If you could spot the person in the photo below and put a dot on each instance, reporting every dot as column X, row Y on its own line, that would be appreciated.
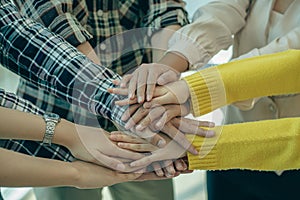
column 261, row 145
column 38, row 171
column 255, row 33
column 177, row 16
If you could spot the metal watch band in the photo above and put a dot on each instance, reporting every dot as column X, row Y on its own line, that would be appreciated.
column 51, row 121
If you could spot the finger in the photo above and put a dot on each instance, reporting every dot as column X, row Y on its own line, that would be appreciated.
column 109, row 162
column 157, row 168
column 119, row 91
column 169, row 169
column 167, row 77
column 153, row 115
column 145, row 161
column 125, row 79
column 116, row 82
column 136, row 117
column 126, row 139
column 152, row 137
column 161, row 100
column 127, row 114
column 132, row 86
column 151, row 82
column 179, row 137
column 151, row 176
column 141, row 86
column 180, row 165
column 191, row 127
column 125, row 102
column 123, row 153
column 137, row 147
column 171, row 112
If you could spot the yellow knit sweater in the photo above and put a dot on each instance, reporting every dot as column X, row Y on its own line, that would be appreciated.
column 262, row 145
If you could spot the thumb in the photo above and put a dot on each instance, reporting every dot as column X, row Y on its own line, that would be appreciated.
column 167, row 77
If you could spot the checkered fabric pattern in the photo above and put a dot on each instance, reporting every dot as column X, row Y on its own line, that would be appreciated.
column 47, row 60
column 108, row 26
column 39, row 56
column 32, row 148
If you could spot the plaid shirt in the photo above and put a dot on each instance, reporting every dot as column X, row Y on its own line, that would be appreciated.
column 101, row 23
column 39, row 56
column 32, row 148
column 45, row 59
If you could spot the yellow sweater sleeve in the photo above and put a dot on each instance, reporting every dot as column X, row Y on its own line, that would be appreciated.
column 261, row 145
column 272, row 74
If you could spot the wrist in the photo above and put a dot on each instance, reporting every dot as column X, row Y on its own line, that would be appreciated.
column 64, row 134
column 175, row 60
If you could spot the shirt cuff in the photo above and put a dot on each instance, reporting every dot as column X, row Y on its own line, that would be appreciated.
column 207, row 91
column 195, row 54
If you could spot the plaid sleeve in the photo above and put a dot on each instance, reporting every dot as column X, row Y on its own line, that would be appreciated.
column 32, row 148
column 62, row 17
column 47, row 60
column 162, row 13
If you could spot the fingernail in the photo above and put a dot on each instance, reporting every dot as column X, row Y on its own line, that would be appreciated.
column 131, row 96
column 194, row 151
column 123, row 118
column 210, row 133
column 211, row 124
column 161, row 143
column 127, row 125
column 122, row 85
column 140, row 100
column 120, row 167
column 133, row 164
column 148, row 97
column 139, row 127
column 158, row 124
column 179, row 165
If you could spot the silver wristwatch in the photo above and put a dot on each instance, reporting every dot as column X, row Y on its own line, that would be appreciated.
column 51, row 120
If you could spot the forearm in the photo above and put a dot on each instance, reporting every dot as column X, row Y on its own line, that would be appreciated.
column 211, row 31
column 88, row 50
column 34, row 171
column 215, row 87
column 159, row 43
column 50, row 62
column 26, row 126
column 263, row 145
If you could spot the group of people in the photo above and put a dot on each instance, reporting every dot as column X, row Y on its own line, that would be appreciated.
column 74, row 61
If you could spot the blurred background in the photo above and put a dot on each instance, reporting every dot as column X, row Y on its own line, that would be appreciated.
column 187, row 187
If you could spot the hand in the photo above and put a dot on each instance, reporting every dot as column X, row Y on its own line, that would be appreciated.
column 92, row 145
column 143, row 80
column 171, row 151
column 172, row 93
column 167, row 168
column 89, row 176
column 155, row 117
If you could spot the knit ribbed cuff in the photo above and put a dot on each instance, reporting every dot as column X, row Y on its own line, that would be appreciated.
column 207, row 91
column 207, row 157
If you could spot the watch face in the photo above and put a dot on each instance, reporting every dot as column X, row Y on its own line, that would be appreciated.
column 52, row 116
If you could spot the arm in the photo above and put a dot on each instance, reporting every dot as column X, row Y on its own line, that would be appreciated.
column 264, row 145
column 55, row 65
column 211, row 31
column 53, row 13
column 39, row 172
column 218, row 86
column 86, row 143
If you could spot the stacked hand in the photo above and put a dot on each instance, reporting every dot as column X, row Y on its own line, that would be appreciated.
column 157, row 106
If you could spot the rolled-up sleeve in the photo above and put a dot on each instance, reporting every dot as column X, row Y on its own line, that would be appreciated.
column 211, row 31
column 163, row 13
column 66, row 18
